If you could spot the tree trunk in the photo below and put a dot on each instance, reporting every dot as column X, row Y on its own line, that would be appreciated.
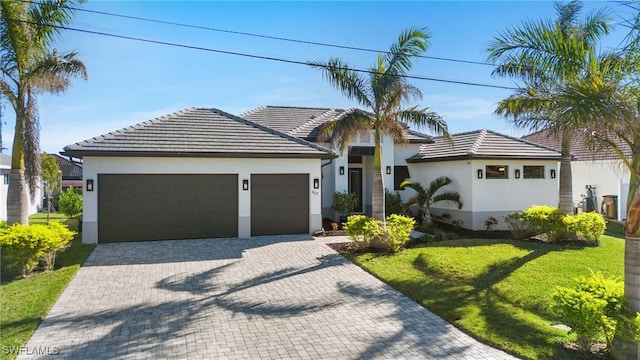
column 427, row 219
column 565, row 191
column 377, row 198
column 17, row 198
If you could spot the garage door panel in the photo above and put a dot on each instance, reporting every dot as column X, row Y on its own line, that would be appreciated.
column 279, row 204
column 134, row 207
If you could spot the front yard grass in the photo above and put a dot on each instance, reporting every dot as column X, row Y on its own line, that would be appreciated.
column 498, row 291
column 25, row 302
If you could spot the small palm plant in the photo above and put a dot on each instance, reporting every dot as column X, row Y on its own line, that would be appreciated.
column 425, row 197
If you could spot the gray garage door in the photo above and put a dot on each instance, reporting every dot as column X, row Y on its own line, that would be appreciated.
column 279, row 204
column 135, row 207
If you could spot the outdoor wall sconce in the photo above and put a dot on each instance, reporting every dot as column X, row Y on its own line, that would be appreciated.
column 89, row 184
column 341, row 170
column 245, row 184
column 517, row 173
column 388, row 170
column 316, row 183
column 552, row 172
column 479, row 173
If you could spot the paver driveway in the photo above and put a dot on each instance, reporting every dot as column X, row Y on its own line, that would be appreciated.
column 284, row 297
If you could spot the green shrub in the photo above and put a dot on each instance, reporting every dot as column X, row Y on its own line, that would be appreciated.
column 70, row 203
column 392, row 203
column 344, row 201
column 542, row 219
column 592, row 309
column 588, row 225
column 23, row 247
column 398, row 231
column 362, row 231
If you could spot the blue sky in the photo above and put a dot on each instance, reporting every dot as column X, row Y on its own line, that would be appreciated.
column 131, row 82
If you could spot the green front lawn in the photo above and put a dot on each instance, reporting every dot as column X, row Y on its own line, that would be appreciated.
column 25, row 302
column 498, row 291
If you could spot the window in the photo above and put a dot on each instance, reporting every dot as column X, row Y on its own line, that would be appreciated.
column 533, row 172
column 497, row 172
column 400, row 174
column 6, row 178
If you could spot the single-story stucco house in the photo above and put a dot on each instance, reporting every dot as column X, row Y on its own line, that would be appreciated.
column 495, row 175
column 198, row 173
column 601, row 170
column 206, row 173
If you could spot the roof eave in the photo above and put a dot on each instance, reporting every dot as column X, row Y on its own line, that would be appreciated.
column 83, row 153
column 468, row 157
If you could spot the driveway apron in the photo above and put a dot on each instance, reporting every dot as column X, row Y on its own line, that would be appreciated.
column 275, row 297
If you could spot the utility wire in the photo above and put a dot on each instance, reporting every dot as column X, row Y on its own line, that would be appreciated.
column 253, row 56
column 255, row 35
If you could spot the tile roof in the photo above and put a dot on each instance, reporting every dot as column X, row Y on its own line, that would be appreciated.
column 579, row 149
column 71, row 170
column 198, row 132
column 304, row 122
column 482, row 144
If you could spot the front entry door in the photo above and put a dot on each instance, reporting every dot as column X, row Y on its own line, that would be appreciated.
column 355, row 185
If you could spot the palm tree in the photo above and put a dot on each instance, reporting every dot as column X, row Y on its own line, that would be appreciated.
column 425, row 197
column 31, row 66
column 382, row 90
column 545, row 55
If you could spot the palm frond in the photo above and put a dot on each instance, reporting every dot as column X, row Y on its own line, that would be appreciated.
column 437, row 184
column 343, row 130
column 54, row 71
column 411, row 43
column 352, row 84
column 422, row 117
column 449, row 196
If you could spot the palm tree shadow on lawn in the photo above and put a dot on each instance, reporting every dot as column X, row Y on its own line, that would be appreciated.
column 452, row 298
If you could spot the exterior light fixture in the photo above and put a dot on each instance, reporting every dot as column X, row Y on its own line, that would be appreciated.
column 89, row 185
column 388, row 170
column 479, row 173
column 316, row 183
column 245, row 184
column 517, row 173
column 552, row 172
column 341, row 170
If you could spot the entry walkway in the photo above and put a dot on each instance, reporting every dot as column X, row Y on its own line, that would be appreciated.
column 280, row 297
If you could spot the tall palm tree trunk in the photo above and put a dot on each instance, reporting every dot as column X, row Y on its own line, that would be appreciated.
column 632, row 243
column 17, row 198
column 377, row 196
column 565, row 192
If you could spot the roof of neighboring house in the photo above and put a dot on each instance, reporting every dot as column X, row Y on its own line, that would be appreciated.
column 304, row 122
column 481, row 144
column 199, row 132
column 579, row 149
column 71, row 170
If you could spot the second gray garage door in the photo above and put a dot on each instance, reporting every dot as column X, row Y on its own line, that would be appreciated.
column 279, row 204
column 135, row 207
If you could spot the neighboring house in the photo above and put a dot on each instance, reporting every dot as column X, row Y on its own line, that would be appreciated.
column 495, row 175
column 602, row 170
column 199, row 173
column 5, row 168
column 352, row 171
column 71, row 172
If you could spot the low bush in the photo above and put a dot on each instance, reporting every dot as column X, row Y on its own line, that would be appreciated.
column 587, row 225
column 362, row 230
column 593, row 309
column 367, row 232
column 551, row 224
column 398, row 231
column 70, row 203
column 23, row 247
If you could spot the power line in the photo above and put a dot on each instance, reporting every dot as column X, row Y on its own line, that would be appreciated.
column 316, row 43
column 253, row 56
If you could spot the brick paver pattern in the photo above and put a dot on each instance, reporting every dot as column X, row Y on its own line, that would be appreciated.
column 278, row 297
